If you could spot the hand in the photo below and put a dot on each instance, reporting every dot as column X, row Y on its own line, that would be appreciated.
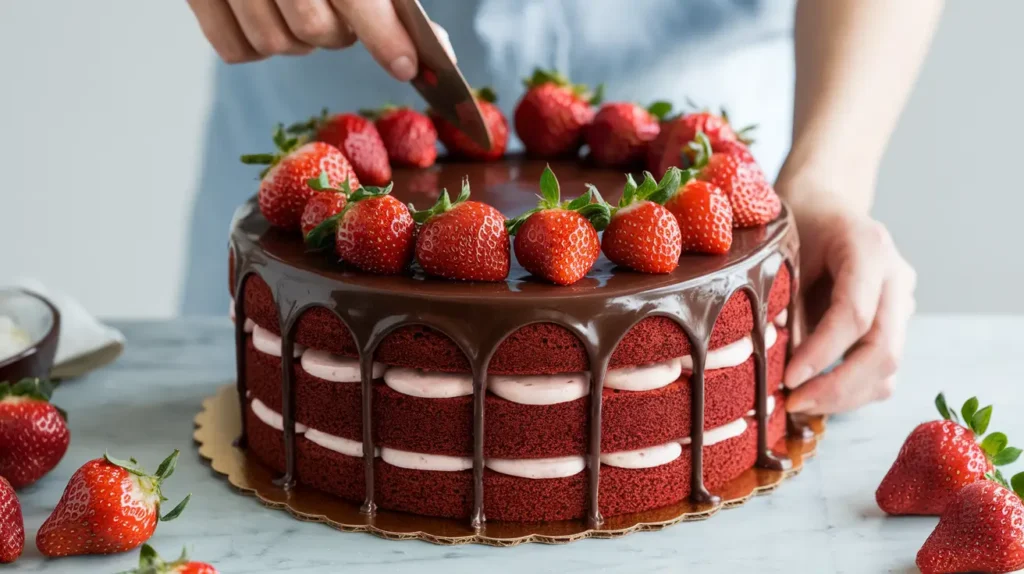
column 250, row 30
column 863, row 319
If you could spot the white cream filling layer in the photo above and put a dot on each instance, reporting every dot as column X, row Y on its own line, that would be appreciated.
column 782, row 318
column 338, row 444
column 722, row 433
column 645, row 377
column 422, row 461
column 734, row 354
column 249, row 323
column 271, row 418
column 538, row 468
column 335, row 368
column 269, row 343
column 540, row 389
column 417, row 383
column 649, row 457
column 770, row 404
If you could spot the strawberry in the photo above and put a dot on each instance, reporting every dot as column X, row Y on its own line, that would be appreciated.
column 108, row 506
column 621, row 132
column 704, row 216
column 460, row 145
column 736, row 148
column 33, row 432
column 408, row 135
column 356, row 137
column 753, row 200
column 981, row 530
column 283, row 190
column 643, row 235
column 464, row 240
column 551, row 117
column 151, row 563
column 321, row 206
column 12, row 526
column 941, row 457
column 557, row 241
column 671, row 147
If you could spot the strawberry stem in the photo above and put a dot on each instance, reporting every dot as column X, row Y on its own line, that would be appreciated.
column 590, row 205
column 444, row 204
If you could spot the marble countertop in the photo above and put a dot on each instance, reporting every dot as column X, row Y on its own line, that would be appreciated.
column 824, row 520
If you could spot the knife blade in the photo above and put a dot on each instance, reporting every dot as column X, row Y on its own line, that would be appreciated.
column 439, row 80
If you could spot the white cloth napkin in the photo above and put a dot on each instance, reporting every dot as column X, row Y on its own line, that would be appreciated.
column 85, row 344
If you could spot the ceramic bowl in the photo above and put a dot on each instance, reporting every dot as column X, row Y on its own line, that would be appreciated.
column 40, row 319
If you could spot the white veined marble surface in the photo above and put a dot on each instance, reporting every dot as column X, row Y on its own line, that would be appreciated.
column 825, row 520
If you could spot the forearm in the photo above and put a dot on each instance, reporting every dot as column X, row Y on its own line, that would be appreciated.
column 856, row 61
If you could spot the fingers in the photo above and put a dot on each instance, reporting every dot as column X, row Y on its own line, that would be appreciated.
column 379, row 29
column 221, row 29
column 859, row 270
column 868, row 373
column 315, row 23
column 265, row 28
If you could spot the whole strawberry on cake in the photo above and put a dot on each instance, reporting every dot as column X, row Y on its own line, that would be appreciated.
column 452, row 343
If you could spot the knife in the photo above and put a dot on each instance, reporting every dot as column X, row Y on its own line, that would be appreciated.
column 439, row 80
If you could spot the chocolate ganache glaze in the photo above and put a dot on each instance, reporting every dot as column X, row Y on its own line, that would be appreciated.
column 600, row 309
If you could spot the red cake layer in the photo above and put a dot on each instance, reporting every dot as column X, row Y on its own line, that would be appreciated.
column 449, row 494
column 631, row 420
column 542, row 348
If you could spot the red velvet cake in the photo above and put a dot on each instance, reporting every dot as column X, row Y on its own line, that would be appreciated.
column 514, row 400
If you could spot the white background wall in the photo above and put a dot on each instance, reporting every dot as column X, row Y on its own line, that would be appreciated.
column 102, row 105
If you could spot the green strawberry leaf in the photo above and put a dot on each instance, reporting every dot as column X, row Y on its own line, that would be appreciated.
column 970, row 408
column 660, row 109
column 131, row 465
column 320, row 236
column 322, row 183
column 366, row 192
column 647, row 187
column 581, row 201
column 599, row 214
column 486, row 94
column 1018, row 483
column 997, row 477
column 464, row 193
column 702, row 149
column 513, row 225
column 628, row 192
column 176, row 511
column 940, row 404
column 745, row 134
column 597, row 97
column 166, row 467
column 549, row 189
column 258, row 158
column 994, row 443
column 1008, row 455
column 979, row 421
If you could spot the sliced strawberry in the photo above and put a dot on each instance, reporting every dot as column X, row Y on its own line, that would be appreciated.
column 551, row 117
column 557, row 241
column 284, row 190
column 941, row 457
column 408, row 135
column 704, row 216
column 980, row 530
column 12, row 525
column 459, row 145
column 33, row 433
column 108, row 506
column 356, row 137
column 621, row 132
column 643, row 235
column 464, row 240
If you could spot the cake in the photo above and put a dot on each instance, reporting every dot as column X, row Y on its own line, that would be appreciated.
column 475, row 401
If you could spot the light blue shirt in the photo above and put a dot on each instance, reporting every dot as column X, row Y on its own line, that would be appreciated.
column 731, row 53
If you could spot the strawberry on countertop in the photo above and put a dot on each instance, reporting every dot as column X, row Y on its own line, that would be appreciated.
column 704, row 216
column 981, row 530
column 284, row 190
column 33, row 432
column 754, row 201
column 374, row 231
column 108, row 506
column 552, row 115
column 151, row 563
column 408, row 135
column 12, row 526
column 621, row 132
column 941, row 457
column 356, row 137
column 643, row 235
column 557, row 241
column 464, row 240
column 460, row 145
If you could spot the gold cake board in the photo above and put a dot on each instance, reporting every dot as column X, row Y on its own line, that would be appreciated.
column 218, row 425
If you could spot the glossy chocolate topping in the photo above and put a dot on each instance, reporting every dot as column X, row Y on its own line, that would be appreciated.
column 599, row 310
